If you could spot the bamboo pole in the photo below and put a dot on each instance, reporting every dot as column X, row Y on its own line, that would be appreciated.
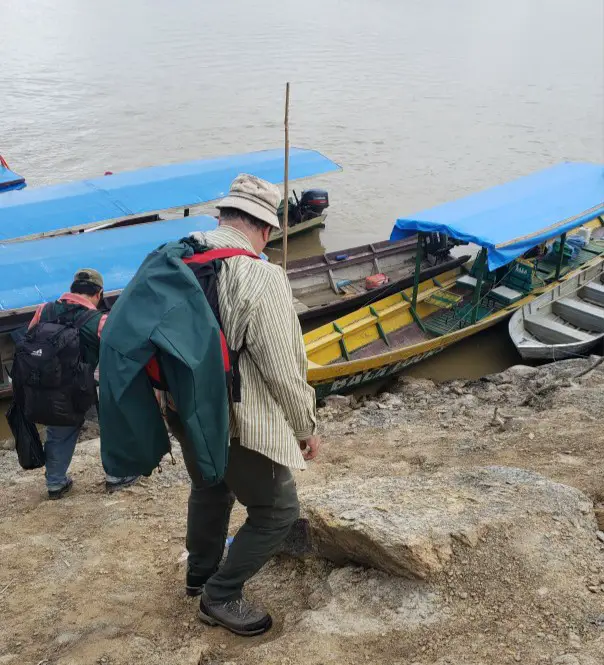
column 286, row 178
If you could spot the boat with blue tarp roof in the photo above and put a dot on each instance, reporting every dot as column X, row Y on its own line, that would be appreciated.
column 131, row 197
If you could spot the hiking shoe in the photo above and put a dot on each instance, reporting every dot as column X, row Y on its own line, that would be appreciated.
column 239, row 616
column 194, row 584
column 116, row 484
column 53, row 495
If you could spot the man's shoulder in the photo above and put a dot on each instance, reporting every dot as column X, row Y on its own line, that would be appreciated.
column 266, row 272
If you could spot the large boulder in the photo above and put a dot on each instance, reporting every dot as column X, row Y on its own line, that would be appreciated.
column 409, row 525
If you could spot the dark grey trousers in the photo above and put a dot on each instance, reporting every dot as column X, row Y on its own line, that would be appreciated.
column 265, row 488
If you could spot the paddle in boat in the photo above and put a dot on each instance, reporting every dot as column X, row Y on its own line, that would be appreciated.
column 513, row 225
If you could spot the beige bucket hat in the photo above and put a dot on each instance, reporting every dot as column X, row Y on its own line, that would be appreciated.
column 255, row 196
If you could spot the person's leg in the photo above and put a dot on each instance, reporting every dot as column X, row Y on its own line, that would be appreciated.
column 58, row 449
column 112, row 483
column 268, row 491
column 207, row 519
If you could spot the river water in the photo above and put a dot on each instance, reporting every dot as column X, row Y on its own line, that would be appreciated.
column 420, row 101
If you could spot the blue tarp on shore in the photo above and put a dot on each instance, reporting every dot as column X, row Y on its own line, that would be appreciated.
column 512, row 218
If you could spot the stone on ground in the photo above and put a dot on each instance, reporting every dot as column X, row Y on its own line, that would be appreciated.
column 409, row 525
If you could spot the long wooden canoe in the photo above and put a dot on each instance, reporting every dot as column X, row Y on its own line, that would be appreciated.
column 326, row 284
column 333, row 283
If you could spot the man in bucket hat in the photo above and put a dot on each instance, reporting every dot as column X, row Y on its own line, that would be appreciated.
column 79, row 305
column 273, row 427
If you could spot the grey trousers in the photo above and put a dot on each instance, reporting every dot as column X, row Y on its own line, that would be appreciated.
column 265, row 488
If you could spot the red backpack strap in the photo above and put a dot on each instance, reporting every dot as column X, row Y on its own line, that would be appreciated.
column 216, row 254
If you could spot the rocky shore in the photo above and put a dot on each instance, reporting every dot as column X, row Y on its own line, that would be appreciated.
column 451, row 524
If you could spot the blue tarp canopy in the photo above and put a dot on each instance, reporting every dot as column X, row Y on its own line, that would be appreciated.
column 41, row 270
column 43, row 210
column 510, row 219
column 9, row 180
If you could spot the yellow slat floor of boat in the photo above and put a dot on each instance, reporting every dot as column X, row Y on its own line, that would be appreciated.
column 360, row 329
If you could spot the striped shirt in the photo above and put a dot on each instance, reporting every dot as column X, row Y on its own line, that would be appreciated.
column 277, row 407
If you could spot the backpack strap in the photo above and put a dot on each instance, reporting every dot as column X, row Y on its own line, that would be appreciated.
column 219, row 254
column 78, row 323
column 85, row 317
column 230, row 356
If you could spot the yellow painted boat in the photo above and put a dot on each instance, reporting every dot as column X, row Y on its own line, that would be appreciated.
column 384, row 338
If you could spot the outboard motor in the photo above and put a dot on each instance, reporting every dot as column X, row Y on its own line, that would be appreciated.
column 313, row 203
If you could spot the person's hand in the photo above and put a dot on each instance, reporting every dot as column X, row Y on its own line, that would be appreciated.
column 310, row 447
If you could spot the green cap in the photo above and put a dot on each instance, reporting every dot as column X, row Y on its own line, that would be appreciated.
column 89, row 276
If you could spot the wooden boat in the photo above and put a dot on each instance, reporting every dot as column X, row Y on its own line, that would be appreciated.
column 335, row 282
column 565, row 322
column 384, row 338
column 128, row 198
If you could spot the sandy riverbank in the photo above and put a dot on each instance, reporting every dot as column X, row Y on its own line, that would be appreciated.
column 99, row 579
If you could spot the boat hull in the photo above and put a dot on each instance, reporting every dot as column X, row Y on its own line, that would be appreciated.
column 349, row 376
column 541, row 311
column 298, row 229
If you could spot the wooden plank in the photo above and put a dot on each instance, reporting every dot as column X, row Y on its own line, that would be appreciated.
column 593, row 293
column 580, row 313
column 549, row 331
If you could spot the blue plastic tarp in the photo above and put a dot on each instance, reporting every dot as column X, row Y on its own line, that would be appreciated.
column 511, row 219
column 41, row 270
column 50, row 209
column 9, row 180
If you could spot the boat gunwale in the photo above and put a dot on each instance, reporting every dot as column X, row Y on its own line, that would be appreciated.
column 304, row 267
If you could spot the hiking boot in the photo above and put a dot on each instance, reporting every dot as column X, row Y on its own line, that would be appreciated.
column 53, row 495
column 113, row 484
column 194, row 584
column 239, row 616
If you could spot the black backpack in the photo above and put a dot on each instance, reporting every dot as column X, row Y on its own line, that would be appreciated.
column 50, row 380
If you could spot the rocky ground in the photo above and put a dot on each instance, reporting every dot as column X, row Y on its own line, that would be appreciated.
column 452, row 524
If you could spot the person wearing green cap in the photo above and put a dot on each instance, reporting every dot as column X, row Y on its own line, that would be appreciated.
column 85, row 294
